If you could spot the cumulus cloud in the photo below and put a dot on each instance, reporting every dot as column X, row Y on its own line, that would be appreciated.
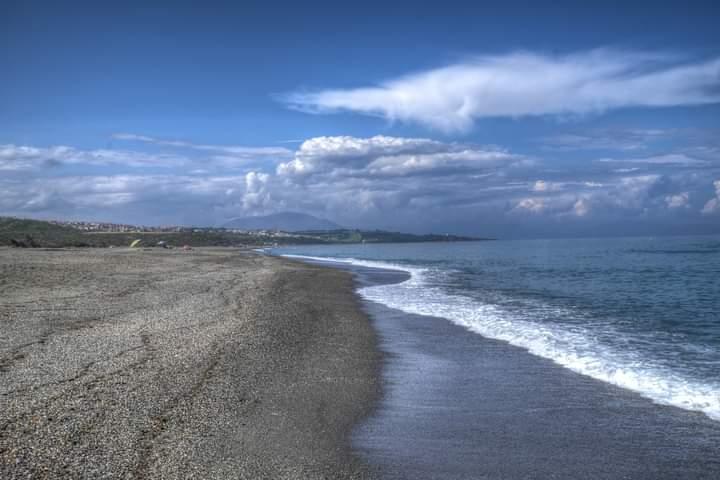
column 390, row 156
column 678, row 200
column 581, row 207
column 379, row 181
column 629, row 195
column 557, row 205
column 256, row 195
column 320, row 154
column 463, row 159
column 535, row 205
column 522, row 84
column 713, row 205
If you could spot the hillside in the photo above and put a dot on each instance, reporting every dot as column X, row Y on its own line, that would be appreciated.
column 37, row 233
column 285, row 221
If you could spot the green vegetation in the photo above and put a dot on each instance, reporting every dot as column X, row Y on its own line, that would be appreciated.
column 29, row 233
column 35, row 233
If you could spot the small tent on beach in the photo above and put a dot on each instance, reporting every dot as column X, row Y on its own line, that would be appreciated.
column 135, row 243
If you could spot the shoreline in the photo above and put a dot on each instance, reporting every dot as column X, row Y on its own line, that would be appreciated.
column 458, row 405
column 215, row 363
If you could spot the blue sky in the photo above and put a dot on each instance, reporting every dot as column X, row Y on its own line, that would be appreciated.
column 519, row 119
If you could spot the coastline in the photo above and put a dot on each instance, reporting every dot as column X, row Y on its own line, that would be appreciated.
column 214, row 363
column 457, row 405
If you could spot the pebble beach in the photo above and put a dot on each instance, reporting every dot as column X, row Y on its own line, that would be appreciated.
column 211, row 363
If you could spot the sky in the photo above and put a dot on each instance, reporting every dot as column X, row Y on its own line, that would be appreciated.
column 508, row 119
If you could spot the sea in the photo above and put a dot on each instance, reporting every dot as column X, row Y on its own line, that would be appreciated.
column 633, row 322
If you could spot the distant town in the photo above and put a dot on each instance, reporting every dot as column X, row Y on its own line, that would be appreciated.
column 116, row 227
column 20, row 232
column 109, row 227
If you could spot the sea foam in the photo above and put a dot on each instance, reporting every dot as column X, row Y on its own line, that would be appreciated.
column 569, row 346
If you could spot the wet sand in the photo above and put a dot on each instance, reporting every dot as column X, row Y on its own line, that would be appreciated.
column 457, row 406
column 207, row 364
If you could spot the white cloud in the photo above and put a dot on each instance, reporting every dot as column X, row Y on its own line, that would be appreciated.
column 388, row 179
column 20, row 157
column 559, row 205
column 232, row 152
column 581, row 207
column 534, row 205
column 525, row 84
column 713, row 205
column 93, row 192
column 256, row 194
column 679, row 200
column 543, row 186
column 389, row 156
column 320, row 154
column 468, row 158
column 24, row 158
column 632, row 192
column 625, row 195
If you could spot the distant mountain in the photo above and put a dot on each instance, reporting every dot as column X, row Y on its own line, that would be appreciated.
column 285, row 221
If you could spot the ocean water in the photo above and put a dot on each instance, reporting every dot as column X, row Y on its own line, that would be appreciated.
column 639, row 313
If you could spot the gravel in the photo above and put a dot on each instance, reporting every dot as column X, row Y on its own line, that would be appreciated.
column 211, row 363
